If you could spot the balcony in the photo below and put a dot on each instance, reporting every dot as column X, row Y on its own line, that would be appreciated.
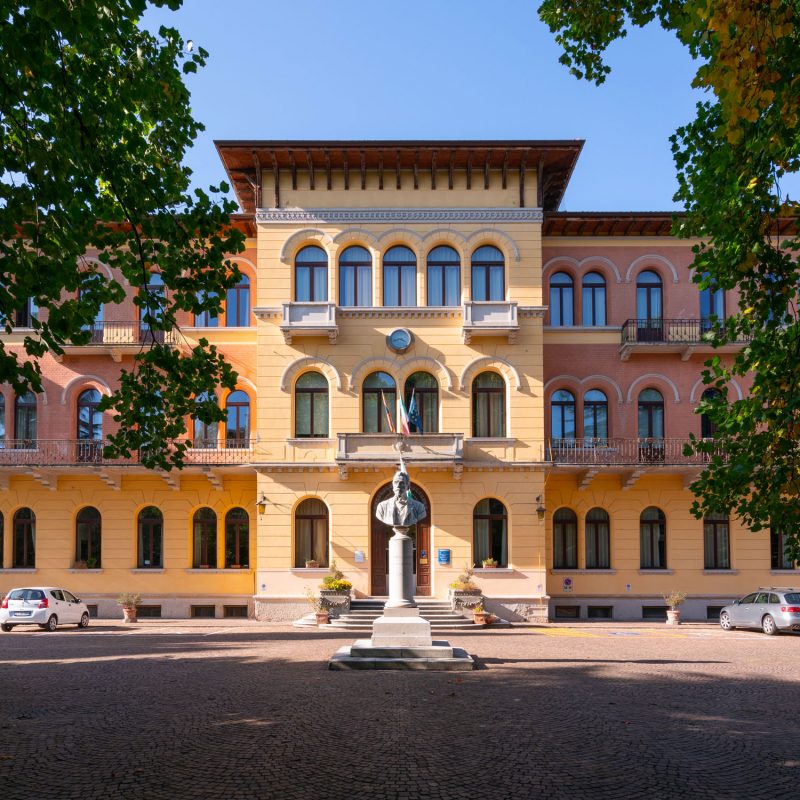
column 118, row 338
column 82, row 452
column 369, row 450
column 490, row 318
column 683, row 336
column 309, row 319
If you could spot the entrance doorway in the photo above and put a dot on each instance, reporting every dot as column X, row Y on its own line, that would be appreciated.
column 379, row 546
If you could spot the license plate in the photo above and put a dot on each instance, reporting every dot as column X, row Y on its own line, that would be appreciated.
column 22, row 613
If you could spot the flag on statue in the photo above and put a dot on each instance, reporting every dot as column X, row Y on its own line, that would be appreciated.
column 413, row 414
column 388, row 415
column 403, row 421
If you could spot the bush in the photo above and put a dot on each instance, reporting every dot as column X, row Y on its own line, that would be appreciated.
column 129, row 599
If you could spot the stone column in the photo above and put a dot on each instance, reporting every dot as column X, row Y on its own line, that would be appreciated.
column 401, row 570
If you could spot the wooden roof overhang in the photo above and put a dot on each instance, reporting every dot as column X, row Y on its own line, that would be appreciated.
column 552, row 161
column 608, row 223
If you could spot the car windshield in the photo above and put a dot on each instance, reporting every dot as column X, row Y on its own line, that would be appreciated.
column 26, row 594
column 794, row 597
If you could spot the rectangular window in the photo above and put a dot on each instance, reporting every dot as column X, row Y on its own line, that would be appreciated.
column 778, row 557
column 234, row 612
column 203, row 612
column 654, row 612
column 716, row 544
column 568, row 612
column 712, row 612
column 355, row 286
column 148, row 612
column 600, row 612
column 92, row 609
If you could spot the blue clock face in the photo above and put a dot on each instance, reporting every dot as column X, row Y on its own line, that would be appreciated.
column 400, row 340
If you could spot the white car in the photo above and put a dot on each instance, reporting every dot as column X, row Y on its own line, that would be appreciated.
column 45, row 606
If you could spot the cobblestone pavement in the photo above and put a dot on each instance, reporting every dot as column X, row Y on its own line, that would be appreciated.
column 219, row 712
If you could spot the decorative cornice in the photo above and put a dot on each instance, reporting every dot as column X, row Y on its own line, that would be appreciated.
column 532, row 311
column 380, row 215
column 398, row 312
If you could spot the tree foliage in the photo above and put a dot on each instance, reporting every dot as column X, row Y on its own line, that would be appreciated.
column 731, row 161
column 95, row 121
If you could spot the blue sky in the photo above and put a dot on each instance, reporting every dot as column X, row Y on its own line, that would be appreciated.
column 431, row 69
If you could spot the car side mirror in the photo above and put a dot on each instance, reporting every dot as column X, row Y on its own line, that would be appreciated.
column 736, row 602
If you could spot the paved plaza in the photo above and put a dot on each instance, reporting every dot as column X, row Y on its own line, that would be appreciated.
column 217, row 711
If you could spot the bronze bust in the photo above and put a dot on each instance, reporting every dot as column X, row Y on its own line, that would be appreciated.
column 400, row 511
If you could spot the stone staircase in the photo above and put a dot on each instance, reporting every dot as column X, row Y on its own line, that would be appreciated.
column 437, row 612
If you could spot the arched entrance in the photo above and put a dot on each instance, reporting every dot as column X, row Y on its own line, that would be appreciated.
column 379, row 545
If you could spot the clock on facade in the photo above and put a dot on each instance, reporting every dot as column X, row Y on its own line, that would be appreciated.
column 399, row 340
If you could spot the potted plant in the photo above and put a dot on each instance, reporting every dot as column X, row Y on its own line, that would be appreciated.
column 129, row 601
column 489, row 563
column 673, row 600
column 335, row 589
column 480, row 615
column 320, row 607
column 312, row 563
column 464, row 592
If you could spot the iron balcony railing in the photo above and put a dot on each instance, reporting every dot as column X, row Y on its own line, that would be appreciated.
column 666, row 331
column 611, row 452
column 124, row 333
column 80, row 452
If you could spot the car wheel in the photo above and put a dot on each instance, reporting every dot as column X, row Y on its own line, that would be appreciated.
column 7, row 628
column 52, row 623
column 725, row 621
column 768, row 625
column 84, row 623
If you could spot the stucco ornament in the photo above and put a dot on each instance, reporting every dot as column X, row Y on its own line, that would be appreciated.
column 401, row 510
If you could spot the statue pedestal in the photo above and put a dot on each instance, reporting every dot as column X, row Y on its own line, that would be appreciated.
column 401, row 569
column 401, row 627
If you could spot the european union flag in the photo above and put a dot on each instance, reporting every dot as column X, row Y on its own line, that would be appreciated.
column 413, row 414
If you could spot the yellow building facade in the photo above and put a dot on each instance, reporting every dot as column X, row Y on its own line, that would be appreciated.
column 549, row 362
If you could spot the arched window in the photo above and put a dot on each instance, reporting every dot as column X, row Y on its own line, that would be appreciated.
column 562, row 415
column 88, row 530
column 595, row 417
column 311, row 533
column 490, row 532
column 151, row 312
column 488, row 274
column 205, row 433
column 90, row 426
column 206, row 319
column 778, row 541
column 649, row 307
column 311, row 275
column 204, row 539
column 488, row 406
column 379, row 403
column 311, row 405
column 444, row 277
column 651, row 425
column 237, row 304
column 598, row 540
column 422, row 402
column 399, row 277
column 237, row 539
column 653, row 539
column 151, row 538
column 24, row 544
column 237, row 424
column 651, row 414
column 25, row 420
column 712, row 306
column 565, row 539
column 708, row 427
column 594, row 299
column 716, row 542
column 561, row 299
column 355, row 277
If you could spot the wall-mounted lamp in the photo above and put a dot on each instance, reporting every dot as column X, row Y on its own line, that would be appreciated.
column 261, row 503
column 540, row 509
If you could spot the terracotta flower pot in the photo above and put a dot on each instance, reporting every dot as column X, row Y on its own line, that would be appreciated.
column 490, row 566
column 480, row 617
column 323, row 618
column 129, row 613
column 673, row 616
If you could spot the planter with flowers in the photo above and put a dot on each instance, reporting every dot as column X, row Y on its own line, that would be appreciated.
column 464, row 592
column 489, row 563
column 335, row 590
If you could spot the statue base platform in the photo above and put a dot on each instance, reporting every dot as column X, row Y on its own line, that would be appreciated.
column 401, row 627
column 438, row 656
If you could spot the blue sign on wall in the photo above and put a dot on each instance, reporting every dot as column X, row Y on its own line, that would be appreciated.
column 444, row 557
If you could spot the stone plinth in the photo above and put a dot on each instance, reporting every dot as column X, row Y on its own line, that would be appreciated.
column 401, row 627
column 438, row 656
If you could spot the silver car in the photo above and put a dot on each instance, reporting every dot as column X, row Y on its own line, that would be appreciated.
column 771, row 608
column 45, row 606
